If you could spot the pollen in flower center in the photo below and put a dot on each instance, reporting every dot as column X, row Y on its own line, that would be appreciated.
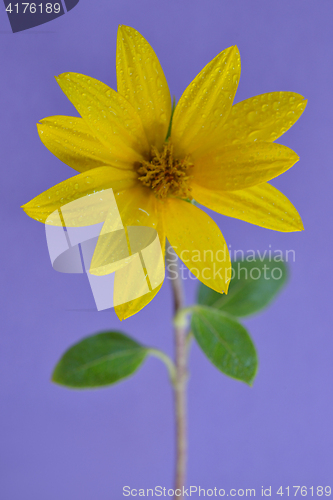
column 166, row 175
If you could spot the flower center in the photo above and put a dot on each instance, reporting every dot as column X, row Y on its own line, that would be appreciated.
column 166, row 175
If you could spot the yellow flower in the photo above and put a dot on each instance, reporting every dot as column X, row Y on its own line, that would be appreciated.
column 208, row 150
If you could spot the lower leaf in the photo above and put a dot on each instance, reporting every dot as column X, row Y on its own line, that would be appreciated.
column 99, row 360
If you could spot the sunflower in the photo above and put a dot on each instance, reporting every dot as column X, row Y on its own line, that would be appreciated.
column 159, row 158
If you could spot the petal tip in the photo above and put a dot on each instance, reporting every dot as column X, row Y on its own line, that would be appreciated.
column 235, row 49
column 123, row 29
column 300, row 225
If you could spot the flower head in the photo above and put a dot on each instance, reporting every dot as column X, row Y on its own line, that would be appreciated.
column 157, row 158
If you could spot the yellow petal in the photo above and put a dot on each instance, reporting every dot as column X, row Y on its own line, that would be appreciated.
column 111, row 118
column 262, row 118
column 87, row 183
column 240, row 166
column 71, row 140
column 130, row 308
column 262, row 205
column 141, row 80
column 139, row 208
column 198, row 242
column 206, row 103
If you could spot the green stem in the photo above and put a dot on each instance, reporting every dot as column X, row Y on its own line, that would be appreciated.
column 180, row 383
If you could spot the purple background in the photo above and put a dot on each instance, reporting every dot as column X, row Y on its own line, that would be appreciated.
column 57, row 443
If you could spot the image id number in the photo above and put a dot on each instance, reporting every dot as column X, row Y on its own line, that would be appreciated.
column 32, row 8
column 318, row 491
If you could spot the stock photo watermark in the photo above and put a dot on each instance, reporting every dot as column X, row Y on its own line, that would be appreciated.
column 265, row 260
column 198, row 491
column 124, row 263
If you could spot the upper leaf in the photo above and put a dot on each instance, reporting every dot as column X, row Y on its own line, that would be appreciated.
column 253, row 286
column 225, row 342
column 99, row 360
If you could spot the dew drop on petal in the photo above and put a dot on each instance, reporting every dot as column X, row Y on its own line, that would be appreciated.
column 251, row 116
column 155, row 66
column 253, row 135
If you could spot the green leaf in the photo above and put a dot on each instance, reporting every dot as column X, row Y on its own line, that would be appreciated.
column 225, row 342
column 253, row 286
column 99, row 360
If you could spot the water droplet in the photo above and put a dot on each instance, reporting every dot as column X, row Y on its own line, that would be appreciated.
column 251, row 116
column 88, row 180
column 253, row 135
column 276, row 105
column 264, row 107
column 76, row 186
